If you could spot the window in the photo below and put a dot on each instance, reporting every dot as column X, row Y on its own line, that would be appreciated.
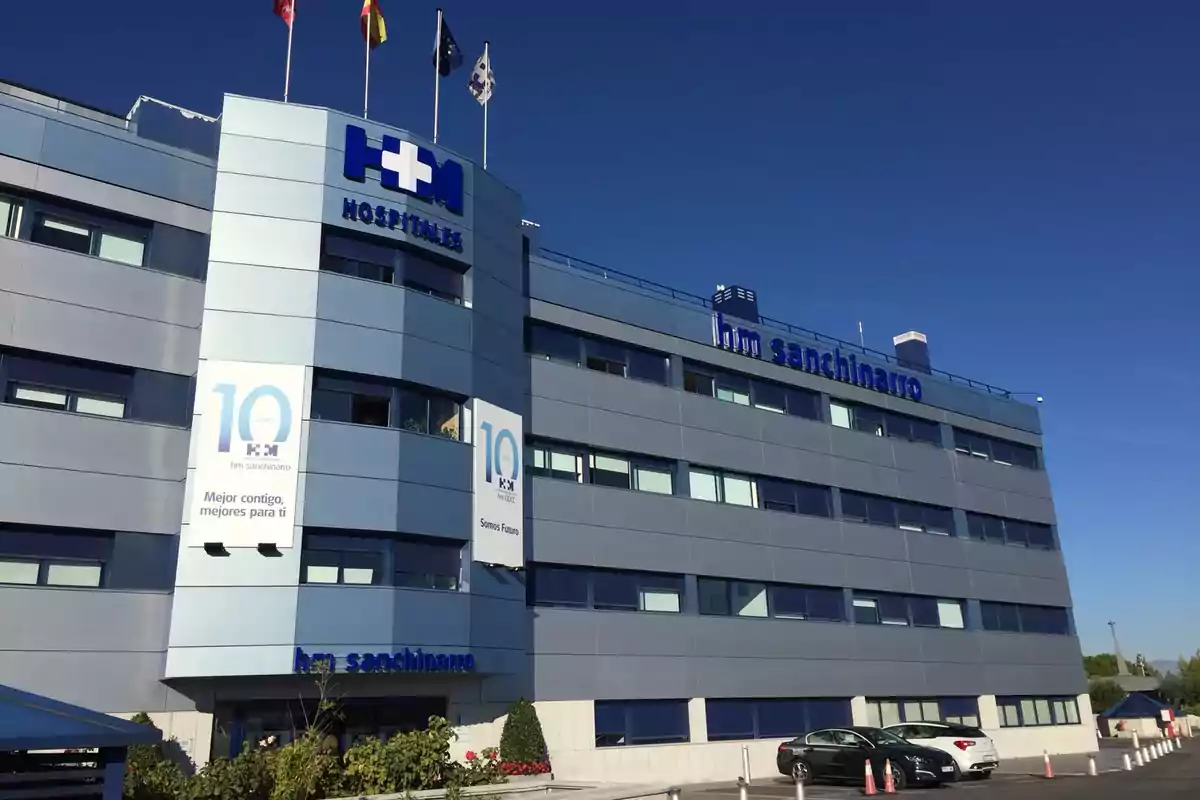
column 874, row 510
column 1026, row 712
column 361, row 400
column 355, row 558
column 878, row 422
column 387, row 262
column 1013, row 618
column 893, row 711
column 623, row 473
column 1000, row 530
column 724, row 487
column 610, row 470
column 722, row 597
column 10, row 216
column 347, row 400
column 742, row 390
column 43, row 381
column 872, row 608
column 612, row 590
column 625, row 723
column 600, row 355
column 566, row 462
column 427, row 563
column 730, row 719
column 54, row 557
column 90, row 238
column 795, row 498
column 999, row 451
column 554, row 461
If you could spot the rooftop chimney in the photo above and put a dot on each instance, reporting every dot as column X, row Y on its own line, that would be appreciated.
column 912, row 351
column 736, row 302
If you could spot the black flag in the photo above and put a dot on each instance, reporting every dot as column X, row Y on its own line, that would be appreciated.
column 447, row 56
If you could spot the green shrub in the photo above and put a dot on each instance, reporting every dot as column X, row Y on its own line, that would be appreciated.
column 149, row 774
column 481, row 769
column 522, row 741
column 405, row 762
column 249, row 776
column 306, row 769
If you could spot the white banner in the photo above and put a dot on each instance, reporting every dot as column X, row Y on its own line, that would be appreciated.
column 247, row 453
column 498, row 495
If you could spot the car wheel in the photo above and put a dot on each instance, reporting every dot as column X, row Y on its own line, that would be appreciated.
column 899, row 779
column 802, row 772
column 958, row 774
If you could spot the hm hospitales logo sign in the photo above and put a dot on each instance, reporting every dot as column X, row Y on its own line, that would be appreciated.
column 247, row 454
column 498, row 502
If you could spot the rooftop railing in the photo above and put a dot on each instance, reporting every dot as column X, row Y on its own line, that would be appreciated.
column 703, row 302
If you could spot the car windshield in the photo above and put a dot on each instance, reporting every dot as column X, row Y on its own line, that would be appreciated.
column 882, row 737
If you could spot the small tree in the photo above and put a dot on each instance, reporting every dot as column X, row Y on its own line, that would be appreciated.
column 522, row 741
column 149, row 773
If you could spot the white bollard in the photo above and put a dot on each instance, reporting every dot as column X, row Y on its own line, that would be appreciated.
column 746, row 765
column 1154, row 752
column 1137, row 758
column 1125, row 765
column 1179, row 742
column 799, row 789
column 741, row 789
column 1136, row 744
column 673, row 793
column 1091, row 765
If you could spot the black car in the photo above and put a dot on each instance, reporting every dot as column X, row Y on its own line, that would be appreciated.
column 841, row 754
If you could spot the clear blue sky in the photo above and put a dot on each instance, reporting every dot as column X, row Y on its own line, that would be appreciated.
column 1022, row 183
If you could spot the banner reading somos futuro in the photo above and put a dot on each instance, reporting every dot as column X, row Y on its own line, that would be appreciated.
column 498, row 491
column 247, row 454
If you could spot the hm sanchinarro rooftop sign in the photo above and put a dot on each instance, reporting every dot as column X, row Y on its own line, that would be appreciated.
column 830, row 364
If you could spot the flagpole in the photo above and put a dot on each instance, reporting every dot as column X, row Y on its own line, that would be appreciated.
column 437, row 74
column 287, row 70
column 367, row 78
column 487, row 60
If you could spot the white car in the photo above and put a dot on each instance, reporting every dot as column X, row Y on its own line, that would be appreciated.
column 973, row 751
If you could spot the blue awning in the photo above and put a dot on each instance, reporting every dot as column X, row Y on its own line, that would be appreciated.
column 1135, row 705
column 31, row 722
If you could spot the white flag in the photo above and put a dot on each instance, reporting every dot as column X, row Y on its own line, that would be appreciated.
column 482, row 81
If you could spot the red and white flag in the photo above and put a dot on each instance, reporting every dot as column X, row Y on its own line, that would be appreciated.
column 286, row 11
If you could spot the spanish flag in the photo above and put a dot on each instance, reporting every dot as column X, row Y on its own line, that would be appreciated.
column 374, row 29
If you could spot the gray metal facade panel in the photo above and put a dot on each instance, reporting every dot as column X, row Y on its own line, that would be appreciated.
column 73, row 144
column 621, row 529
column 59, row 440
column 54, row 620
column 62, row 302
column 615, row 655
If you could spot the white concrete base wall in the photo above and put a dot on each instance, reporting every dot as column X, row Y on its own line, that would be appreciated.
column 569, row 727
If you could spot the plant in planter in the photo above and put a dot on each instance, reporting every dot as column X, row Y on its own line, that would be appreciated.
column 522, row 744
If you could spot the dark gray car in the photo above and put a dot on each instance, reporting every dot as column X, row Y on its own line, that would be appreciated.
column 841, row 754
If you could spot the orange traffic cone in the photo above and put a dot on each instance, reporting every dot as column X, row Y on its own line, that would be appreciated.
column 1049, row 769
column 869, row 789
column 889, row 785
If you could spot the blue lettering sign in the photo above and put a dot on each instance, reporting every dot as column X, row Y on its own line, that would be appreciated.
column 401, row 661
column 407, row 223
column 405, row 167
column 831, row 364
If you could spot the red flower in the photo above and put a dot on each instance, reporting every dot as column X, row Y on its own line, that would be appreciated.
column 470, row 755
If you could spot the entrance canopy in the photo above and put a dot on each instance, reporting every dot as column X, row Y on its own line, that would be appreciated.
column 31, row 722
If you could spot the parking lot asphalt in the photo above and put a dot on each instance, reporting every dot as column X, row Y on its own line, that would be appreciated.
column 1174, row 776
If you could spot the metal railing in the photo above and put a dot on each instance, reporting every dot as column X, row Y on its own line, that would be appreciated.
column 695, row 300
